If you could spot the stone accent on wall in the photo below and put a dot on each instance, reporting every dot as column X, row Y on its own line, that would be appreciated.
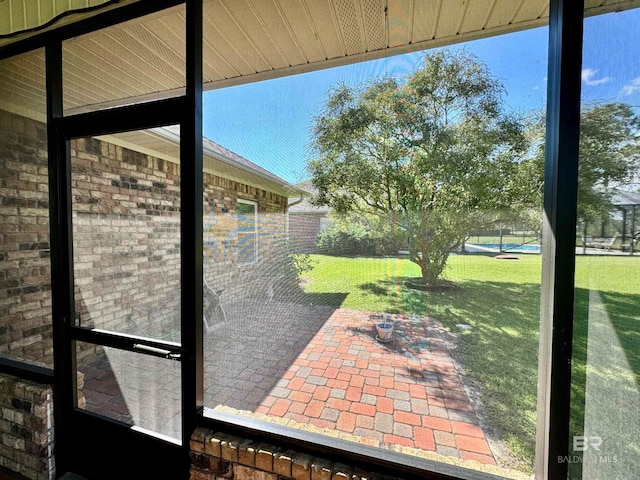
column 25, row 281
column 26, row 426
column 217, row 456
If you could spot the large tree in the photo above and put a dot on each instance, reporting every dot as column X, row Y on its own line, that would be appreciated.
column 609, row 156
column 432, row 153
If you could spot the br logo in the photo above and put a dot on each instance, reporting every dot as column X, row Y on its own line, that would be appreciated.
column 582, row 443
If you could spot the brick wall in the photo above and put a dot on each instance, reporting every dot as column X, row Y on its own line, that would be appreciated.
column 218, row 456
column 126, row 222
column 303, row 230
column 26, row 426
column 25, row 283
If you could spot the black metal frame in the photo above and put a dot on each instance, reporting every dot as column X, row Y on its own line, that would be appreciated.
column 565, row 49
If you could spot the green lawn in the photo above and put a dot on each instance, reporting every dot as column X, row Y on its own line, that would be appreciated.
column 500, row 299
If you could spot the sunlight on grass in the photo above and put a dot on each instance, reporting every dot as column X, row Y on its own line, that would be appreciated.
column 500, row 299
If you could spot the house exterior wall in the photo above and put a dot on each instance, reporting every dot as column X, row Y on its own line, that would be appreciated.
column 304, row 229
column 126, row 222
column 25, row 279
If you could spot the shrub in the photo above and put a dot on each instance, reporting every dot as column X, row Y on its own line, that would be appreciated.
column 354, row 239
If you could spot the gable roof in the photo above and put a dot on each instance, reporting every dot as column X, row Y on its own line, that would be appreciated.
column 305, row 205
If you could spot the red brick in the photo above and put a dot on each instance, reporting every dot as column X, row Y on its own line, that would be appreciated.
column 345, row 377
column 370, row 373
column 385, row 405
column 417, row 391
column 331, row 372
column 300, row 397
column 454, row 394
column 341, row 384
column 317, row 372
column 362, row 363
column 339, row 404
column 320, row 365
column 280, row 407
column 396, row 440
column 363, row 409
column 423, row 437
column 296, row 383
column 378, row 391
column 350, row 370
column 356, row 381
column 462, row 405
column 387, row 382
column 472, row 444
column 322, row 393
column 297, row 407
column 436, row 423
column 404, row 387
column 289, row 375
column 435, row 401
column 262, row 409
column 314, row 409
column 321, row 423
column 308, row 388
column 485, row 459
column 406, row 417
column 468, row 429
column 346, row 422
column 353, row 394
column 371, row 381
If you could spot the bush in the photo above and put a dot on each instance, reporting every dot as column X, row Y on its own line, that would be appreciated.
column 354, row 239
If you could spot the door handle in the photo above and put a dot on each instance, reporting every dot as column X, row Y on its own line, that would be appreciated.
column 158, row 351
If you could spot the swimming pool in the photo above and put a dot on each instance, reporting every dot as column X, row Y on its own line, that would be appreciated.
column 506, row 247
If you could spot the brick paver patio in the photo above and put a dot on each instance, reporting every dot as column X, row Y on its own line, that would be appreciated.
column 324, row 368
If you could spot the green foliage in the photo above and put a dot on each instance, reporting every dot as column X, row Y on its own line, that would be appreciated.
column 353, row 238
column 301, row 263
column 428, row 154
column 609, row 157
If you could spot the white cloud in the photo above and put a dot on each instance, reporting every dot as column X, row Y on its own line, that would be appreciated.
column 588, row 75
column 632, row 87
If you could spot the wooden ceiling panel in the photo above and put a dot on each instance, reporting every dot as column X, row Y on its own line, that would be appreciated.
column 400, row 21
column 451, row 14
column 502, row 13
column 475, row 17
column 247, row 40
column 326, row 26
column 247, row 17
column 530, row 10
column 228, row 25
column 283, row 38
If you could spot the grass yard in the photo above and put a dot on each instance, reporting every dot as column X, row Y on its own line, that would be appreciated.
column 500, row 299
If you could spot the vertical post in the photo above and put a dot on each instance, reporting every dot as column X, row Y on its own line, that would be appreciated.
column 633, row 229
column 191, row 191
column 559, row 233
column 59, row 163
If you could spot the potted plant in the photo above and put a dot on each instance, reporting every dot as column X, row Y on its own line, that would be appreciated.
column 384, row 329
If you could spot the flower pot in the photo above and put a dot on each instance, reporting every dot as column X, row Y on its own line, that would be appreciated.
column 385, row 330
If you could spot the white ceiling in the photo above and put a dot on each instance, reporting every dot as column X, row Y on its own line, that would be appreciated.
column 249, row 40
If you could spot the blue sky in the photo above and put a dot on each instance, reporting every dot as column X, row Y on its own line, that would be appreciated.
column 269, row 122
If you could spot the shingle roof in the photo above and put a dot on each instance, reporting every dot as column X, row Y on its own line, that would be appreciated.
column 224, row 154
column 305, row 206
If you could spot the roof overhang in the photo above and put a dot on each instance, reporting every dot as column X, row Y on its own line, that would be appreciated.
column 248, row 40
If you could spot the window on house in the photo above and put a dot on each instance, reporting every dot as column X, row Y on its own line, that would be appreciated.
column 247, row 232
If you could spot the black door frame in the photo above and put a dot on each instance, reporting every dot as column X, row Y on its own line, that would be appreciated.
column 86, row 443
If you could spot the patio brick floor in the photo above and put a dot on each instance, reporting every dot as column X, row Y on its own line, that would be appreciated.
column 326, row 369
column 405, row 392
